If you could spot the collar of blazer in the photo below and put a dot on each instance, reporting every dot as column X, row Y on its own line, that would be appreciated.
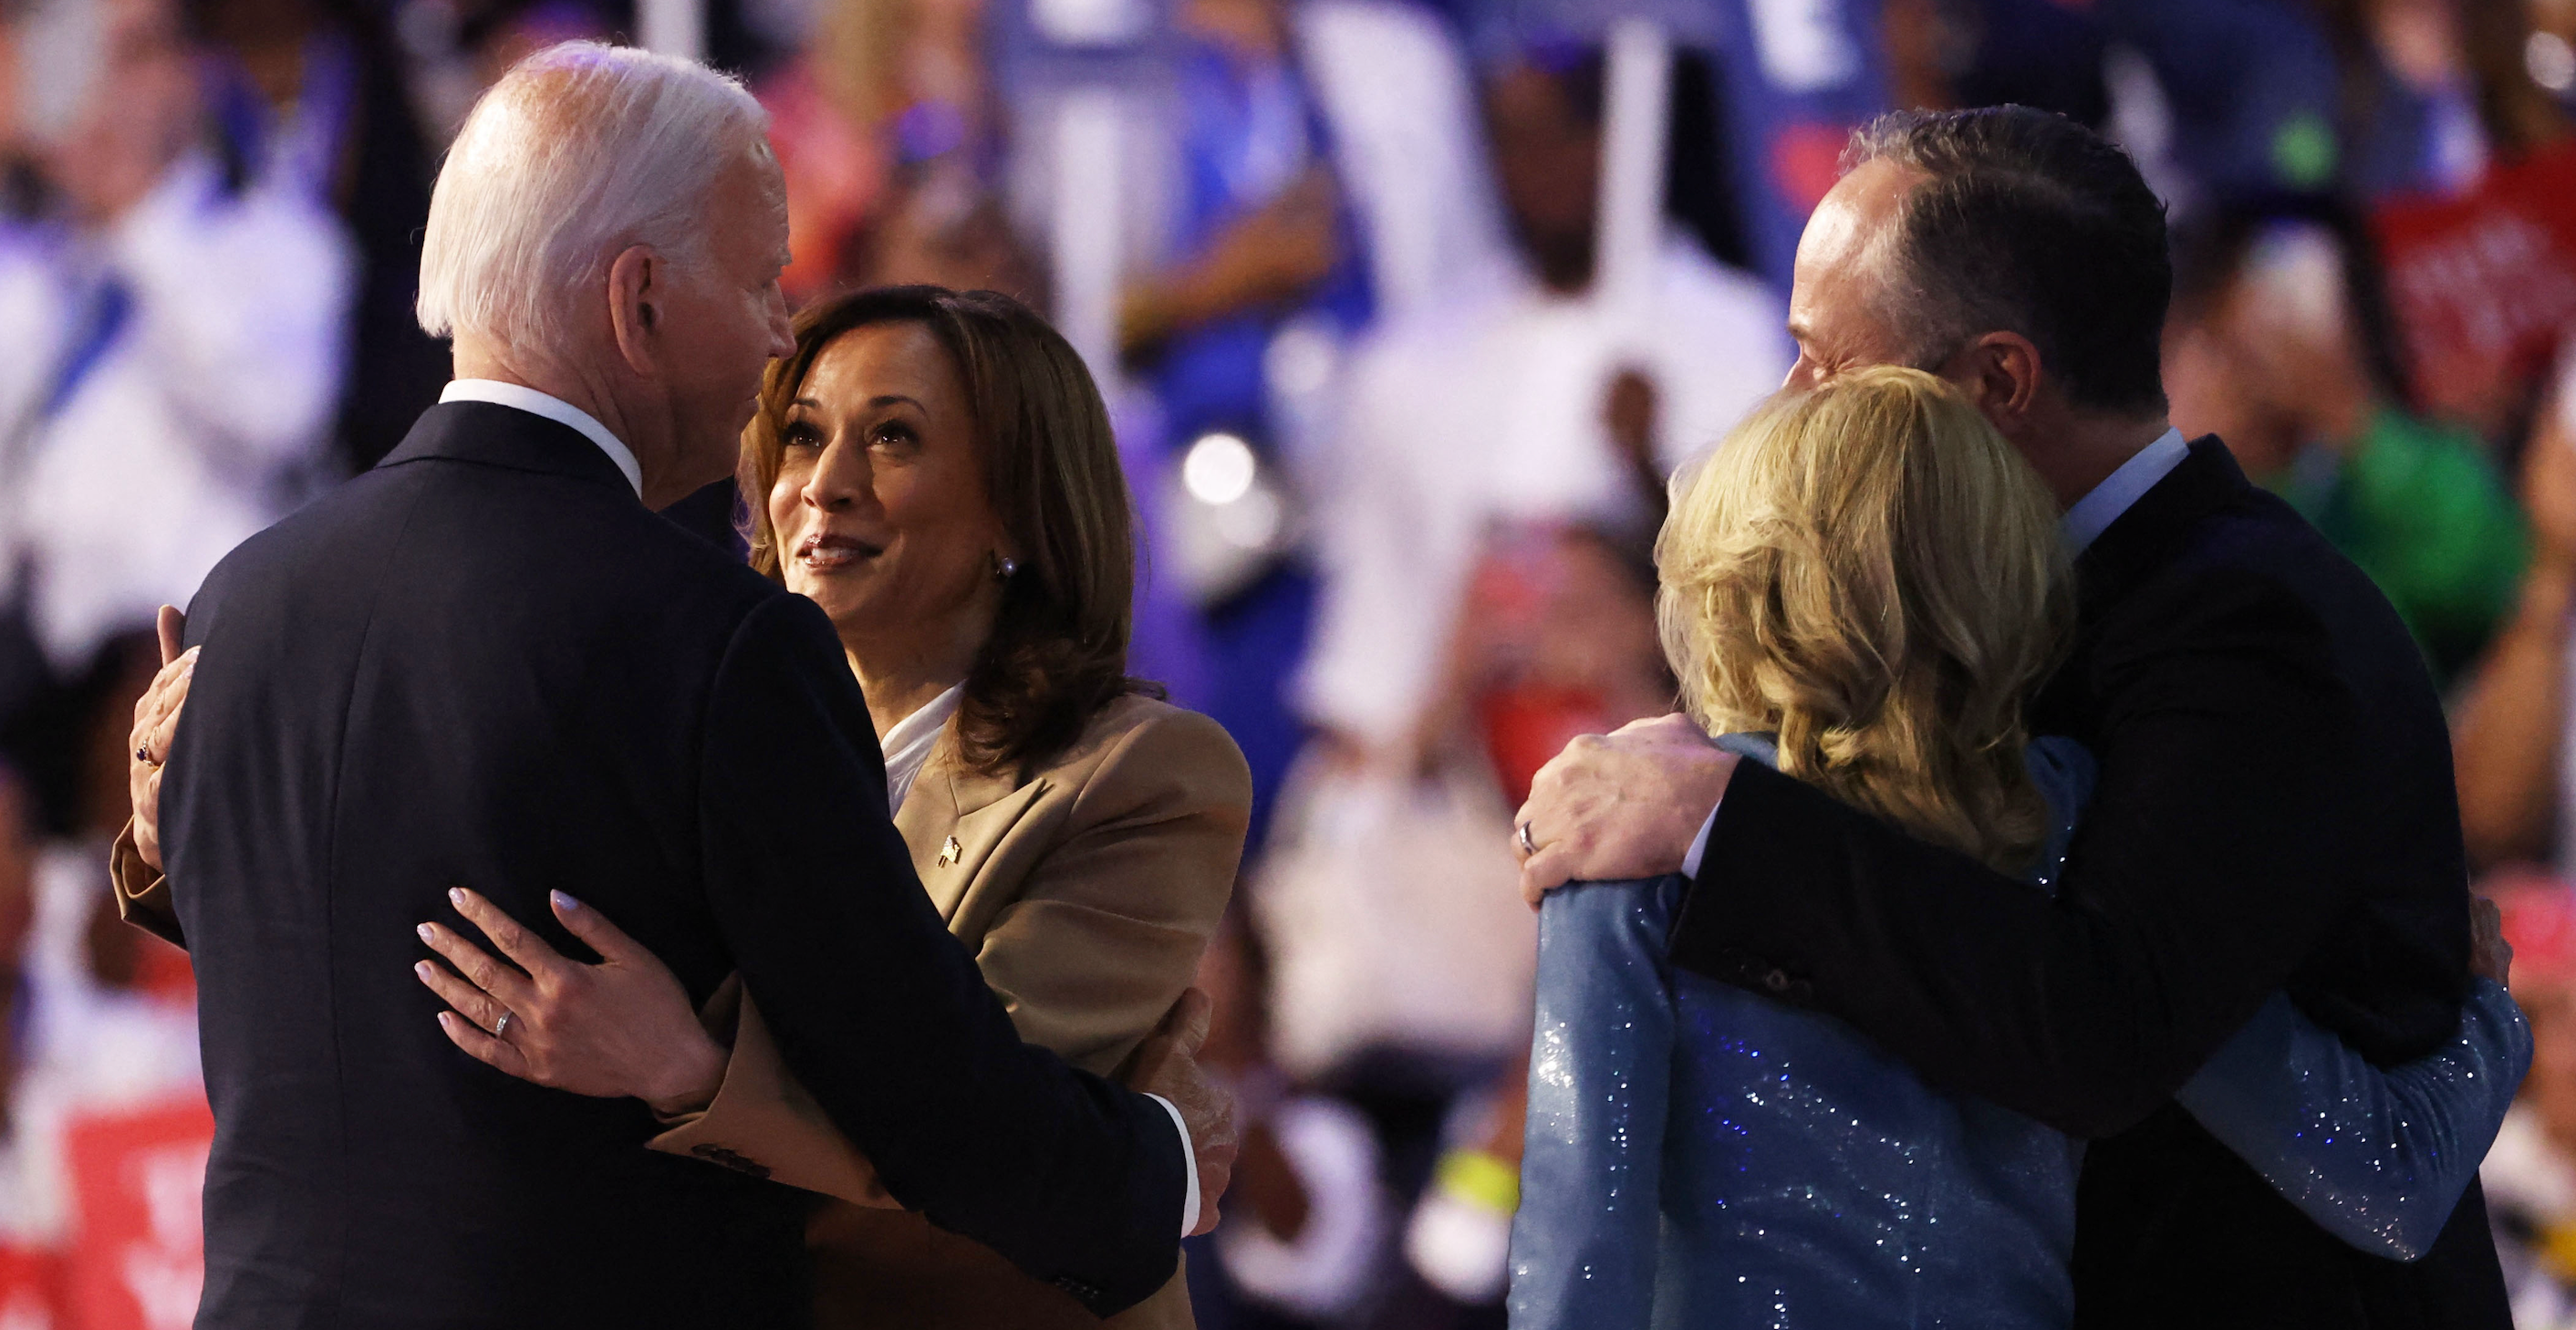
column 2145, row 537
column 950, row 803
column 488, row 434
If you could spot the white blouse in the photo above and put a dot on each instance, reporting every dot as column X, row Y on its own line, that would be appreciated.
column 907, row 746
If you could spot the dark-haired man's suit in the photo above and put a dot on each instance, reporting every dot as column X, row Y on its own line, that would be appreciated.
column 485, row 663
column 2276, row 809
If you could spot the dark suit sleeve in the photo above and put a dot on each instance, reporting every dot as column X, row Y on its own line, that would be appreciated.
column 2201, row 875
column 883, row 1015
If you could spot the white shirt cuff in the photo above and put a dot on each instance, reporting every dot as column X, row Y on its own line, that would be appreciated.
column 1189, row 1162
column 1698, row 849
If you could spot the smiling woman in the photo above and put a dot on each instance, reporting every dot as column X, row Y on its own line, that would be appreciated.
column 936, row 471
column 941, row 477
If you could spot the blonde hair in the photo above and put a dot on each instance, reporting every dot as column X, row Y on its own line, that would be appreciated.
column 1869, row 571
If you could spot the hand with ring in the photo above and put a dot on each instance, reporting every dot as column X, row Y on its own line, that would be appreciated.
column 1619, row 806
column 622, row 1027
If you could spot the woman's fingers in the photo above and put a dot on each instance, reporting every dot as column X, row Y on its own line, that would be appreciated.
column 598, row 934
column 498, row 1052
column 156, row 713
column 513, row 989
column 156, row 721
column 170, row 626
column 470, row 1002
column 527, row 949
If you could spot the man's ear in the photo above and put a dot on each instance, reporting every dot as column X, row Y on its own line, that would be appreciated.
column 637, row 282
column 2000, row 373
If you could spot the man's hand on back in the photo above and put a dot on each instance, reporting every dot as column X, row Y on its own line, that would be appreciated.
column 1619, row 806
column 1166, row 1064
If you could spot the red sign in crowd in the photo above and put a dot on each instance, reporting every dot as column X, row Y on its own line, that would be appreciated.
column 135, row 1256
column 2483, row 283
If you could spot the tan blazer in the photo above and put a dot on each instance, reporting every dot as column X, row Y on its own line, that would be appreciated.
column 1087, row 893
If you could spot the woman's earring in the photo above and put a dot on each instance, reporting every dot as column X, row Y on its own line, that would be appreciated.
column 1004, row 567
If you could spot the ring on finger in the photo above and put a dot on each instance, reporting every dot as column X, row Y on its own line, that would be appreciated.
column 501, row 1027
column 1521, row 833
column 143, row 754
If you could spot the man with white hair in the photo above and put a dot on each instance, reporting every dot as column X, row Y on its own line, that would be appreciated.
column 485, row 664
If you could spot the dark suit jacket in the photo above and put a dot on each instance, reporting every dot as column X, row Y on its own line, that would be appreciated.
column 2275, row 809
column 485, row 663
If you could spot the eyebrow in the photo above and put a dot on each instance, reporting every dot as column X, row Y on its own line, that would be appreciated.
column 886, row 399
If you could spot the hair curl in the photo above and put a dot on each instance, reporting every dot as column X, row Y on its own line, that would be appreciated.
column 1869, row 571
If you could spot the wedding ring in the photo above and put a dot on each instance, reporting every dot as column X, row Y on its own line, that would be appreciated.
column 501, row 1027
column 143, row 754
column 1522, row 834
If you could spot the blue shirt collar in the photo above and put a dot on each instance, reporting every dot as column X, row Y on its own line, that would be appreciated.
column 2095, row 512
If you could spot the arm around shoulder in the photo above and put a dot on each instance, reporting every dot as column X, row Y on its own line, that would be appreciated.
column 882, row 1015
column 2221, row 712
column 1106, row 938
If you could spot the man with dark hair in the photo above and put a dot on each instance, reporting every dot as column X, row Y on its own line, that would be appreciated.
column 2275, row 808
column 2023, row 221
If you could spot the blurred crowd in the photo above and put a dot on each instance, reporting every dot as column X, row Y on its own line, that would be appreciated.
column 1398, row 392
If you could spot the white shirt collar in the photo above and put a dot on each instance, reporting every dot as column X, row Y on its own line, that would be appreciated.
column 2095, row 512
column 552, row 408
column 907, row 746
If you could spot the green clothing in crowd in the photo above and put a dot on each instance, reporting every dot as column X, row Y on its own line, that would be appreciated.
column 2422, row 510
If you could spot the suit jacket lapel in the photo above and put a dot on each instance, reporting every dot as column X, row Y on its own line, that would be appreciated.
column 954, row 819
column 2125, row 555
column 2144, row 538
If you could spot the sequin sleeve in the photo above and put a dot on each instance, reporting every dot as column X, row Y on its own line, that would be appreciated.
column 1600, row 1068
column 2379, row 1158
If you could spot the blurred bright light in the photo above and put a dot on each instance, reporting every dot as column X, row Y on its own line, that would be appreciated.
column 1252, row 523
column 1218, row 469
column 1300, row 359
column 2551, row 62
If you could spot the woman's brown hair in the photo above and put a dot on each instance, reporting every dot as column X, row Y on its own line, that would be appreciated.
column 1058, row 652
column 1869, row 571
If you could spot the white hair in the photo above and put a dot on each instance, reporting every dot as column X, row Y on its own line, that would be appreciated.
column 580, row 151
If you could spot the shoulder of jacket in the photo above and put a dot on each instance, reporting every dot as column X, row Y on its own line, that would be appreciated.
column 2255, row 553
column 1149, row 746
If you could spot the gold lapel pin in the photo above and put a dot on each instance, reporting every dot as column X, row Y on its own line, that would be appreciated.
column 950, row 852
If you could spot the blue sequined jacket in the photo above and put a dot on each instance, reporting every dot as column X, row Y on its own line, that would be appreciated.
column 1700, row 1156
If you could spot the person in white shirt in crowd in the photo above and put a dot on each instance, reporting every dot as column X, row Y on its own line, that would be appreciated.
column 176, row 327
column 1479, row 438
column 1497, row 407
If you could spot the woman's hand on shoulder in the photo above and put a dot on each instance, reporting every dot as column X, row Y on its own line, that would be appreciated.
column 156, row 723
column 622, row 1027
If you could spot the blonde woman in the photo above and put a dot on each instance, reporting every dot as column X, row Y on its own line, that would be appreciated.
column 1862, row 588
